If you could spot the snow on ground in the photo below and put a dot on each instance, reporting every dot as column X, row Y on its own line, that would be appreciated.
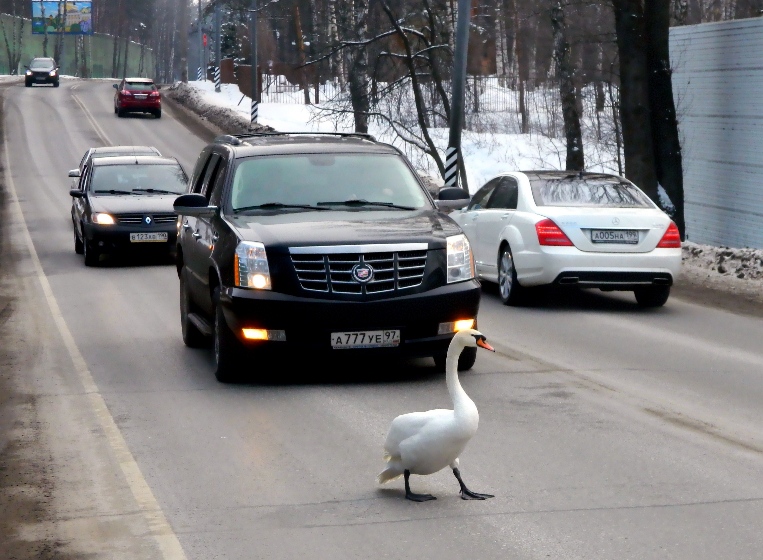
column 738, row 271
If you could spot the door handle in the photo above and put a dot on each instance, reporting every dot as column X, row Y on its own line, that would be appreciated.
column 506, row 216
column 215, row 237
column 196, row 235
column 186, row 225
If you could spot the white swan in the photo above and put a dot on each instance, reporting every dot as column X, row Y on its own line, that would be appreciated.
column 425, row 442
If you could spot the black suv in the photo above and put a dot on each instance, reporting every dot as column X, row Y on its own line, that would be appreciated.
column 41, row 71
column 326, row 244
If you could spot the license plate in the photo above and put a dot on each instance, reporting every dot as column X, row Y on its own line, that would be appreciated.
column 143, row 237
column 365, row 339
column 141, row 96
column 40, row 79
column 628, row 236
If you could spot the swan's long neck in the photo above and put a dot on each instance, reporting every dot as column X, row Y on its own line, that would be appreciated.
column 462, row 404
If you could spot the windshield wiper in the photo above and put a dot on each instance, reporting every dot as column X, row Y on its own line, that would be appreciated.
column 159, row 191
column 111, row 191
column 277, row 206
column 363, row 202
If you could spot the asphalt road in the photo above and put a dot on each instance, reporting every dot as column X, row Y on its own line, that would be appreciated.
column 607, row 432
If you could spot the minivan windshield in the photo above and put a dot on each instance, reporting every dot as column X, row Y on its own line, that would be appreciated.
column 138, row 179
column 593, row 191
column 358, row 182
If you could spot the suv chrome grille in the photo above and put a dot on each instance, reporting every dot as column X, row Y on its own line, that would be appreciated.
column 135, row 219
column 332, row 272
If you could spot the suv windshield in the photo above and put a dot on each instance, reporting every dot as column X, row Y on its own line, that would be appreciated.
column 139, row 86
column 325, row 180
column 41, row 63
column 138, row 179
column 597, row 191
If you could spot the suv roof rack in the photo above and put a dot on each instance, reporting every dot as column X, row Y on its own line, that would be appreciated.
column 236, row 139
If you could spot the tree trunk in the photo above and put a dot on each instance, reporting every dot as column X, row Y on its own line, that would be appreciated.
column 302, row 58
column 565, row 72
column 358, row 74
column 184, row 23
column 634, row 96
column 127, row 53
column 667, row 145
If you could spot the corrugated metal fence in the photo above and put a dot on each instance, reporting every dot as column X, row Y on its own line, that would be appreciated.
column 718, row 87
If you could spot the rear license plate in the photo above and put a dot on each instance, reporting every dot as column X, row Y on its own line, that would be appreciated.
column 138, row 96
column 143, row 237
column 365, row 339
column 628, row 236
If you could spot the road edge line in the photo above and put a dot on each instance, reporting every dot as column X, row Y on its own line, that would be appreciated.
column 159, row 526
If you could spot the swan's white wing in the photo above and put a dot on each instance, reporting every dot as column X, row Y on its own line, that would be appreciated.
column 408, row 425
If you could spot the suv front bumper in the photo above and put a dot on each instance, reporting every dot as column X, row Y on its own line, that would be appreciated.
column 308, row 322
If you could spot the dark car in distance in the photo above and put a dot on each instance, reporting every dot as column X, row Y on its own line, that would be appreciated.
column 41, row 70
column 320, row 244
column 137, row 95
column 126, row 202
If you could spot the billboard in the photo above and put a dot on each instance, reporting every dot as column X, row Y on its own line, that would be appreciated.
column 59, row 16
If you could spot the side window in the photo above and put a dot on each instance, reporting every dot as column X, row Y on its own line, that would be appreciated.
column 480, row 197
column 200, row 179
column 505, row 195
column 215, row 188
column 213, row 167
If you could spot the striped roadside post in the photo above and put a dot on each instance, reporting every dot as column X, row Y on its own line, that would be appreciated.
column 217, row 79
column 199, row 74
column 451, row 167
column 255, row 111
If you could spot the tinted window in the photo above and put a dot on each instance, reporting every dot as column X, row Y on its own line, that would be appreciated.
column 596, row 191
column 479, row 200
column 319, row 178
column 139, row 86
column 505, row 195
column 42, row 63
column 139, row 178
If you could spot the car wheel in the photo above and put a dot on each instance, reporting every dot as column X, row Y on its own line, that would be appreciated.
column 120, row 113
column 79, row 247
column 466, row 360
column 158, row 113
column 227, row 349
column 115, row 109
column 509, row 288
column 55, row 84
column 192, row 337
column 652, row 296
column 28, row 84
column 92, row 254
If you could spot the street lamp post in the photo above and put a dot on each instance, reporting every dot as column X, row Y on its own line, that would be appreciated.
column 457, row 93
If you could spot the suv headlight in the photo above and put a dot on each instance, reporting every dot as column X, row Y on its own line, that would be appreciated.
column 460, row 259
column 251, row 266
column 53, row 72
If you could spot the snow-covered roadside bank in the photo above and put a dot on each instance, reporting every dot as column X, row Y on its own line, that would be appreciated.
column 734, row 272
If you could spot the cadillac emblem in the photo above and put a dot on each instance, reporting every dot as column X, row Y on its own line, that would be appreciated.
column 362, row 273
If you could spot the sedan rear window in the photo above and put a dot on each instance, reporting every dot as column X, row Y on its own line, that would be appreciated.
column 587, row 192
column 326, row 180
column 139, row 86
column 139, row 179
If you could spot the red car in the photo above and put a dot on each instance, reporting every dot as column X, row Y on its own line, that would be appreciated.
column 137, row 95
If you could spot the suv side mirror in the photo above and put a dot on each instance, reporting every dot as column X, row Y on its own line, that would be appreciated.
column 115, row 86
column 74, row 173
column 194, row 204
column 76, row 193
column 452, row 198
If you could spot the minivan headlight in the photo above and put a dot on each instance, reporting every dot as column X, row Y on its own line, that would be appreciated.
column 251, row 266
column 460, row 259
column 103, row 219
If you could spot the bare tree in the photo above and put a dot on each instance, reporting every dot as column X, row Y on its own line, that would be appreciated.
column 14, row 47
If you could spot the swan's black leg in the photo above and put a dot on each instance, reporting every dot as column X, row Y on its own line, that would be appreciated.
column 415, row 497
column 467, row 494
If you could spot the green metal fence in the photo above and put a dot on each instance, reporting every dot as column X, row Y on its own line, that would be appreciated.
column 98, row 49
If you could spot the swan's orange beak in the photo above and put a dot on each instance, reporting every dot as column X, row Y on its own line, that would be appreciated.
column 483, row 343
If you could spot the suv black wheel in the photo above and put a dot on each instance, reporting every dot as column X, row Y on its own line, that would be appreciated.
column 466, row 360
column 192, row 337
column 92, row 254
column 652, row 296
column 227, row 349
column 158, row 113
column 79, row 247
column 510, row 290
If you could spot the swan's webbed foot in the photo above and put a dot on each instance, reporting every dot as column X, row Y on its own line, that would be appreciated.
column 415, row 497
column 467, row 494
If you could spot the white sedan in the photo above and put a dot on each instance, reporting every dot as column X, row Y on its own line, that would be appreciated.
column 592, row 230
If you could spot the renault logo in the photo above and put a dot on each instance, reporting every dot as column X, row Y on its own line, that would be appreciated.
column 147, row 219
column 362, row 273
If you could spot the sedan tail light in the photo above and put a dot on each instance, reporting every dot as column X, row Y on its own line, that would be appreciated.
column 671, row 239
column 550, row 234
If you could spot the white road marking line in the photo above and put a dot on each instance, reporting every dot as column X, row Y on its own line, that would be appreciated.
column 98, row 130
column 168, row 543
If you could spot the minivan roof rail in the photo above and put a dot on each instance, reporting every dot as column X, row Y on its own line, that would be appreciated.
column 236, row 139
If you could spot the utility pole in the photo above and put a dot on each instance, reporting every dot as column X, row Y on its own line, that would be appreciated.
column 218, row 47
column 453, row 154
column 202, row 71
column 254, row 112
